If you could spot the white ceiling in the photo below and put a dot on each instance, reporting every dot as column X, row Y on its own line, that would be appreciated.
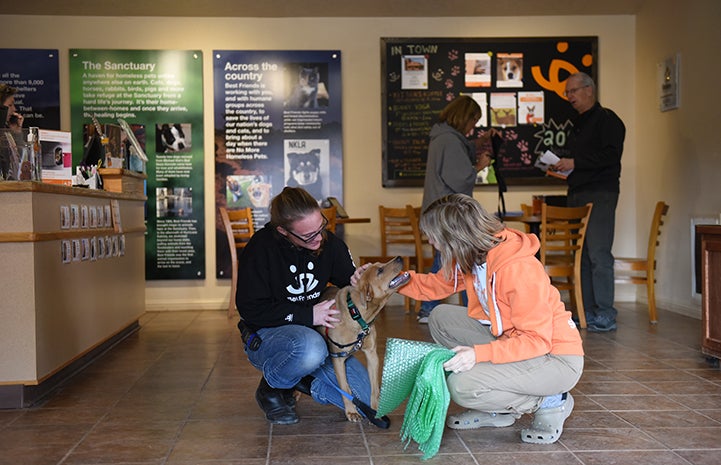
column 322, row 8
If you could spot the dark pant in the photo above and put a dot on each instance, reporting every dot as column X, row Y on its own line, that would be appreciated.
column 597, row 280
column 427, row 307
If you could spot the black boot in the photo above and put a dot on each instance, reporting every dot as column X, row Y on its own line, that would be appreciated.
column 288, row 395
column 273, row 403
column 304, row 385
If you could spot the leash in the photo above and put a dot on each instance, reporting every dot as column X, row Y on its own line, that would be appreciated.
column 383, row 422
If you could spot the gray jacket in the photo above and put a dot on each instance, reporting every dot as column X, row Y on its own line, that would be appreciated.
column 450, row 168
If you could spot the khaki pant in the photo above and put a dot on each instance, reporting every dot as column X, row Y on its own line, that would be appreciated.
column 516, row 387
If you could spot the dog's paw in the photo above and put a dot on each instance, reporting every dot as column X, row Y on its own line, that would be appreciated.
column 353, row 416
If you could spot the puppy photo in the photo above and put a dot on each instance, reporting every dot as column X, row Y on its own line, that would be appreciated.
column 509, row 70
column 374, row 288
column 304, row 170
column 170, row 138
column 247, row 190
column 259, row 192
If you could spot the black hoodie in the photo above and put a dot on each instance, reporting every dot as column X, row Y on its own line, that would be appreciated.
column 278, row 283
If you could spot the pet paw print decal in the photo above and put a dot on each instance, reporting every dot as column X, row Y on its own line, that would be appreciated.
column 304, row 282
column 455, row 70
column 553, row 83
column 522, row 146
column 452, row 55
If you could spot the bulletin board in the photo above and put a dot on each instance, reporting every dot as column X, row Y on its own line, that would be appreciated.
column 519, row 84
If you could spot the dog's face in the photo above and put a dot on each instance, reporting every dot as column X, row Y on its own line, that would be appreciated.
column 509, row 70
column 381, row 280
column 305, row 167
column 259, row 194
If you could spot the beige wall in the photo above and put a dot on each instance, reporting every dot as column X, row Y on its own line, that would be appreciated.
column 679, row 152
column 359, row 41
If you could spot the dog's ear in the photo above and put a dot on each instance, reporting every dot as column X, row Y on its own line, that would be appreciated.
column 366, row 289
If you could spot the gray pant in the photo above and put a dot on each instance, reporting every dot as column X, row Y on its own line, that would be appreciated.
column 516, row 387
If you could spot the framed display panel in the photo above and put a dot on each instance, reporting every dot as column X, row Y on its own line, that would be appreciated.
column 518, row 82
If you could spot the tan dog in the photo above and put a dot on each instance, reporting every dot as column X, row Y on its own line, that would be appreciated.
column 358, row 307
column 259, row 194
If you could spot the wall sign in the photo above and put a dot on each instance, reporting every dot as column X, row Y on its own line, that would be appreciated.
column 34, row 73
column 278, row 122
column 668, row 86
column 159, row 95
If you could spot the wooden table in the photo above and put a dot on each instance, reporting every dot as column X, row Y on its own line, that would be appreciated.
column 352, row 220
column 533, row 221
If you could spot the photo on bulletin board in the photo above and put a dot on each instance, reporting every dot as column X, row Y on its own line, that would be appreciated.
column 519, row 84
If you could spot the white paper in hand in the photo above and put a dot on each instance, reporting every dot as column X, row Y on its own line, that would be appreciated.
column 546, row 161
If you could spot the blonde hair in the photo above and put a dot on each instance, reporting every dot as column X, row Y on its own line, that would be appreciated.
column 461, row 230
column 460, row 112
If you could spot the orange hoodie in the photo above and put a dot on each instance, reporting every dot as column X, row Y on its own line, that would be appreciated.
column 526, row 312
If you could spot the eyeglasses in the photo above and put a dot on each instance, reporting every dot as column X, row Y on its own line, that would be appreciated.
column 308, row 238
column 573, row 91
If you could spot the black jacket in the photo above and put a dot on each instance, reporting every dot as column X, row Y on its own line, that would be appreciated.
column 278, row 283
column 596, row 145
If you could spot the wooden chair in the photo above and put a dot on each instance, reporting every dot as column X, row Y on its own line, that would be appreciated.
column 397, row 233
column 424, row 250
column 238, row 229
column 331, row 214
column 642, row 271
column 563, row 230
column 423, row 260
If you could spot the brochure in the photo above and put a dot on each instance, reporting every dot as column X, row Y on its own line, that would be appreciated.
column 546, row 161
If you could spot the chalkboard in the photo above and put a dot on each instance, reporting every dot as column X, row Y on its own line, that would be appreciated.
column 518, row 82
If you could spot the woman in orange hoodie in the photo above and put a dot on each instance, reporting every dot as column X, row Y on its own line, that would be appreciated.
column 517, row 349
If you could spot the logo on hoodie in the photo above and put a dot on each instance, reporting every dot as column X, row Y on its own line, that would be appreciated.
column 303, row 282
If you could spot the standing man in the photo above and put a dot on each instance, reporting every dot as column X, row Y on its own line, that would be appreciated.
column 595, row 147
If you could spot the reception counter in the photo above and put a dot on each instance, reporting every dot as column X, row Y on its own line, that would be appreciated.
column 73, row 281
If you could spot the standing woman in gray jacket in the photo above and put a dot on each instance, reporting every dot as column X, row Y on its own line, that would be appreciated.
column 453, row 162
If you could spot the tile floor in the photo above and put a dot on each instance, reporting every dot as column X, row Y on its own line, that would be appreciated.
column 180, row 391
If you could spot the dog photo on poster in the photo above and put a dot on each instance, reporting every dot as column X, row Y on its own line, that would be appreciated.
column 277, row 123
